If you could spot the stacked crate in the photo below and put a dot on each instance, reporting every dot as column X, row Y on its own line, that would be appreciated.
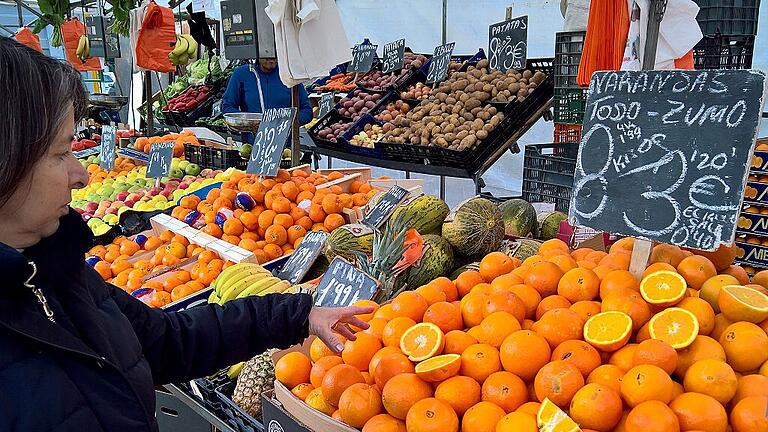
column 752, row 228
column 570, row 99
column 729, row 28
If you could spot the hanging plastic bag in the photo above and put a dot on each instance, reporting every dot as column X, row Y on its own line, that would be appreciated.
column 156, row 40
column 71, row 31
column 25, row 36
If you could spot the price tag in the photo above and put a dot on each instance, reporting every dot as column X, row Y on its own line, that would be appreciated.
column 385, row 206
column 160, row 156
column 343, row 284
column 326, row 104
column 441, row 59
column 216, row 108
column 303, row 257
column 665, row 155
column 362, row 58
column 508, row 44
column 107, row 156
column 394, row 54
column 269, row 141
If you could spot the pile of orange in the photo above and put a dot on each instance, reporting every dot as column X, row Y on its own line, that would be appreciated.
column 98, row 174
column 563, row 341
column 144, row 144
column 287, row 207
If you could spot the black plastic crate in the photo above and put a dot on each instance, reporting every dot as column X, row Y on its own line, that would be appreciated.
column 569, row 105
column 548, row 171
column 568, row 49
column 222, row 159
column 354, row 129
column 330, row 118
column 724, row 52
column 194, row 154
column 731, row 17
column 232, row 414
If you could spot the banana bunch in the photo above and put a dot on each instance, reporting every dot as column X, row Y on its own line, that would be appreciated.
column 184, row 50
column 244, row 280
column 83, row 48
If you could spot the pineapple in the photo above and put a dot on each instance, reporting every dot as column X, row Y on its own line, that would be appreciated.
column 257, row 377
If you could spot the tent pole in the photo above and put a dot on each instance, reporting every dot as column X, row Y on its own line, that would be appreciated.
column 295, row 146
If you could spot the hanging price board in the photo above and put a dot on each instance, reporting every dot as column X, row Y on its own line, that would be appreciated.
column 269, row 141
column 326, row 104
column 303, row 257
column 160, row 156
column 107, row 156
column 344, row 284
column 394, row 55
column 362, row 58
column 508, row 44
column 441, row 59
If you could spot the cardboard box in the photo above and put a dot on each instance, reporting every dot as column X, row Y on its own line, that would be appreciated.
column 753, row 223
column 759, row 163
column 309, row 418
column 752, row 254
column 756, row 193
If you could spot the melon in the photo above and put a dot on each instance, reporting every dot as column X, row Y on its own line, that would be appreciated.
column 436, row 261
column 549, row 224
column 520, row 248
column 475, row 227
column 347, row 239
column 471, row 266
column 424, row 213
column 519, row 217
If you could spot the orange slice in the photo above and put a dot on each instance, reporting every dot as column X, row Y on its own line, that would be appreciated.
column 551, row 418
column 675, row 326
column 740, row 303
column 608, row 331
column 439, row 368
column 663, row 288
column 422, row 341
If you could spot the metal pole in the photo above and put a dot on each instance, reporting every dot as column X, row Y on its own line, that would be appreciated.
column 445, row 22
column 655, row 14
column 148, row 102
column 442, row 188
column 295, row 145
column 21, row 15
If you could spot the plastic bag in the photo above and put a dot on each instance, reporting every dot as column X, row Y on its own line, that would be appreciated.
column 25, row 36
column 71, row 31
column 156, row 40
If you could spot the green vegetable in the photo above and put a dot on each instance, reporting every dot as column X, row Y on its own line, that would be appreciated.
column 54, row 12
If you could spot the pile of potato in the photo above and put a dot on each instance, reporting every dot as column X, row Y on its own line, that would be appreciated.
column 455, row 115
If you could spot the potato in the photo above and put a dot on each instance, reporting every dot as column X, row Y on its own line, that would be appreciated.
column 461, row 135
column 450, row 100
column 523, row 92
column 464, row 98
column 477, row 124
column 476, row 73
column 527, row 74
column 488, row 127
column 539, row 77
column 441, row 96
column 441, row 142
column 475, row 111
column 487, row 88
column 468, row 116
column 481, row 134
column 449, row 137
column 459, row 85
column 482, row 63
column 484, row 115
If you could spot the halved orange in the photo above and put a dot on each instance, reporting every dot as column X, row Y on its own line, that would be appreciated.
column 740, row 303
column 422, row 341
column 551, row 418
column 608, row 331
column 675, row 326
column 439, row 368
column 663, row 288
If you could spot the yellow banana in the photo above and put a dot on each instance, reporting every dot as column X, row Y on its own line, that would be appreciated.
column 213, row 298
column 223, row 278
column 242, row 285
column 276, row 288
column 259, row 287
column 239, row 277
column 234, row 371
column 192, row 45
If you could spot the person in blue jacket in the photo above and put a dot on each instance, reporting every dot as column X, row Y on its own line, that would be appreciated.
column 250, row 84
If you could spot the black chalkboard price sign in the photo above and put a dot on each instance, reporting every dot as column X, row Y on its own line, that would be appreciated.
column 303, row 257
column 343, row 284
column 665, row 154
column 326, row 104
column 362, row 58
column 160, row 156
column 508, row 44
column 394, row 55
column 107, row 155
column 269, row 141
column 441, row 59
column 385, row 206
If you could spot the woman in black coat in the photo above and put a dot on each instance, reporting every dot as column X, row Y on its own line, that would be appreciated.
column 76, row 353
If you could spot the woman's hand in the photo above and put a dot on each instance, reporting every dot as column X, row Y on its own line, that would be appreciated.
column 325, row 322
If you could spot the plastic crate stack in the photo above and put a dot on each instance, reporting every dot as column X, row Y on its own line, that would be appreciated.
column 729, row 28
column 752, row 228
column 570, row 99
column 548, row 173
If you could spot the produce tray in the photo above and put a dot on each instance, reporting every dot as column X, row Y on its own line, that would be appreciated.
column 549, row 177
column 177, row 118
column 567, row 133
column 214, row 157
column 232, row 414
column 356, row 128
column 736, row 17
column 756, row 193
column 753, row 223
column 759, row 163
column 332, row 117
column 568, row 49
column 752, row 254
column 724, row 52
column 569, row 105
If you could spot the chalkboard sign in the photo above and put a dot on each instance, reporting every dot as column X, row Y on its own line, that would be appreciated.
column 107, row 156
column 326, row 104
column 394, row 55
column 269, row 141
column 362, row 58
column 385, row 206
column 303, row 257
column 160, row 156
column 441, row 59
column 664, row 154
column 508, row 44
column 343, row 284
column 217, row 108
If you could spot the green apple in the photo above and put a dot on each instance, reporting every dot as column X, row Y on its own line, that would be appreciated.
column 193, row 169
column 175, row 163
column 108, row 182
column 84, row 163
column 182, row 165
column 177, row 173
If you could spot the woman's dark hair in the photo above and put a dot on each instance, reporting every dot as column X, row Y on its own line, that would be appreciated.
column 36, row 92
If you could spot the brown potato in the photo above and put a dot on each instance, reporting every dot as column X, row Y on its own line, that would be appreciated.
column 483, row 63
column 481, row 134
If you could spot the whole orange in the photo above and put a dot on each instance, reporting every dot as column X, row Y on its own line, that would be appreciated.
column 479, row 361
column 359, row 352
column 431, row 415
column 651, row 416
column 581, row 354
column 597, row 407
column 358, row 404
column 696, row 411
column 403, row 391
column 293, row 369
column 506, row 390
column 523, row 353
column 646, row 382
column 558, row 381
column 459, row 392
column 482, row 417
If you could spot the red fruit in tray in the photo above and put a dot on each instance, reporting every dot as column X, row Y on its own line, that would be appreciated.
column 77, row 146
column 202, row 97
